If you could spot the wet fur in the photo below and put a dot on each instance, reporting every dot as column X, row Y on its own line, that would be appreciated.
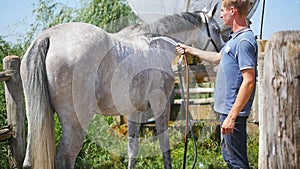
column 77, row 70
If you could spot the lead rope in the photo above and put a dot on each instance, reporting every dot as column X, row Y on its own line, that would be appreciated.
column 185, row 105
column 186, row 99
column 187, row 75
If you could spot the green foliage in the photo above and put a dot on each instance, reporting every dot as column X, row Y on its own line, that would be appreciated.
column 3, row 156
column 47, row 13
column 110, row 15
column 95, row 154
column 7, row 49
column 253, row 150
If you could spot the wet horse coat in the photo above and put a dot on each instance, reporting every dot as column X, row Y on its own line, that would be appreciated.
column 78, row 70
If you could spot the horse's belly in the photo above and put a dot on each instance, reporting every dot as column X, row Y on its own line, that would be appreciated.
column 108, row 111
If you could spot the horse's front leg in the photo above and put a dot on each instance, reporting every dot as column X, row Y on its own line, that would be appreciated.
column 133, row 140
column 160, row 106
column 161, row 123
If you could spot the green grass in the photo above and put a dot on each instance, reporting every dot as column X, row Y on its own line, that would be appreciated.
column 98, row 152
column 109, row 149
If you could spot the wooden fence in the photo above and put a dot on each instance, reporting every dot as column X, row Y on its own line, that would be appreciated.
column 14, row 133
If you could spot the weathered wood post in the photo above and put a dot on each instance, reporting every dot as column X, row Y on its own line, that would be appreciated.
column 15, row 112
column 254, row 116
column 279, row 121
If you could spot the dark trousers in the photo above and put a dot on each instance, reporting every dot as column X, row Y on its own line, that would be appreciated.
column 234, row 146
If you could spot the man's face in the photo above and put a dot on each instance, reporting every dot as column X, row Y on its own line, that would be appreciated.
column 226, row 15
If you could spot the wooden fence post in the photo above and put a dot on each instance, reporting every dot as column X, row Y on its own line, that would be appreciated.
column 254, row 116
column 279, row 146
column 15, row 112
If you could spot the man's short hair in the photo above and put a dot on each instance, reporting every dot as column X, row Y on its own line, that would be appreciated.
column 241, row 5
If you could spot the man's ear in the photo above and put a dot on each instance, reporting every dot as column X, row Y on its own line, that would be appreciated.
column 233, row 10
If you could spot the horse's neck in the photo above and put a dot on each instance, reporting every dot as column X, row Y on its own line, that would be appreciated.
column 183, row 27
column 167, row 26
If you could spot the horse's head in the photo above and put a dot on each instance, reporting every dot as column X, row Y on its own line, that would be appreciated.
column 198, row 29
column 206, row 33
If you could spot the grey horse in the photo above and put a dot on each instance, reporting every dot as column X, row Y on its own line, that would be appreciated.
column 78, row 70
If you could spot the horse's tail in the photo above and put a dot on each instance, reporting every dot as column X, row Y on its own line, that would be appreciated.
column 41, row 139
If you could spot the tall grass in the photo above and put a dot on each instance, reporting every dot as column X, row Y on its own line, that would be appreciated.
column 109, row 149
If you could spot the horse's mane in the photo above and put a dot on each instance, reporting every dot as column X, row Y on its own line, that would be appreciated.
column 169, row 24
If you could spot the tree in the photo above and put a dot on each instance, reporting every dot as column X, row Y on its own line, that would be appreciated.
column 110, row 15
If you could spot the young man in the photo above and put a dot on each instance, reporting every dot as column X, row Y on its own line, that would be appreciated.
column 235, row 82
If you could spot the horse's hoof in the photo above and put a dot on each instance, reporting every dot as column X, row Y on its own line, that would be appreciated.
column 27, row 166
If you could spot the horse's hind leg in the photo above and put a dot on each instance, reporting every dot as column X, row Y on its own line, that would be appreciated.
column 133, row 138
column 27, row 163
column 73, row 133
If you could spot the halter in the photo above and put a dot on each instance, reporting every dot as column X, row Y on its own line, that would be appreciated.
column 210, row 39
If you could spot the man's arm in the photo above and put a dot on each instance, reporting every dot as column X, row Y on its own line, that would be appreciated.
column 212, row 57
column 243, row 96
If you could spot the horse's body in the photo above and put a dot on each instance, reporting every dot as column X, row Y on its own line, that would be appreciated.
column 77, row 70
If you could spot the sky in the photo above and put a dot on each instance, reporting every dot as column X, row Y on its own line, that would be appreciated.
column 16, row 16
column 279, row 15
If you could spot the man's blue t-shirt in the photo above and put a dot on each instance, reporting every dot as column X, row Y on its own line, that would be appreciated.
column 238, row 54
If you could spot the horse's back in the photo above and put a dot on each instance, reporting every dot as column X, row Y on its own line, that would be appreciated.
column 74, row 51
column 85, row 67
column 75, row 39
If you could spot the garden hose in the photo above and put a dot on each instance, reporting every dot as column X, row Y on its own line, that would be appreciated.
column 185, row 104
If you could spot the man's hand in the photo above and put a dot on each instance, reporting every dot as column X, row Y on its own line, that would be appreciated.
column 212, row 57
column 182, row 49
column 228, row 125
